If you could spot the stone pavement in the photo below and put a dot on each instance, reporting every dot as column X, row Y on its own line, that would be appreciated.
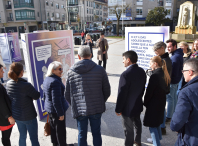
column 111, row 128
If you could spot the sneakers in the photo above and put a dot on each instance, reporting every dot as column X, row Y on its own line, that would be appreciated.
column 168, row 120
column 163, row 130
column 150, row 140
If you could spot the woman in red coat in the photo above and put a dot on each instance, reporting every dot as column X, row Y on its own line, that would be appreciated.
column 82, row 35
column 6, row 119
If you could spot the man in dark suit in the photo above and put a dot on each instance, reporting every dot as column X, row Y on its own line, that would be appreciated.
column 129, row 101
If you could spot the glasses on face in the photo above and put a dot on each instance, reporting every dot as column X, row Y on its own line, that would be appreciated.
column 60, row 69
column 186, row 70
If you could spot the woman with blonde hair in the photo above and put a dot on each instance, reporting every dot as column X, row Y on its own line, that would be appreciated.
column 186, row 50
column 55, row 103
column 155, row 98
column 88, row 41
column 194, row 49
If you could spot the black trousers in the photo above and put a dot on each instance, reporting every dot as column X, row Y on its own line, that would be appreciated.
column 104, row 61
column 58, row 130
column 6, row 137
column 129, row 123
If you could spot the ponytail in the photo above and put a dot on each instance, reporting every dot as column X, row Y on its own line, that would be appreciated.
column 15, row 69
column 166, row 74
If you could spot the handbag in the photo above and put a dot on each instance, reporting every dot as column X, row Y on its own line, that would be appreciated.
column 47, row 131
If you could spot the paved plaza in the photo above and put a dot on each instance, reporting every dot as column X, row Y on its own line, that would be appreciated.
column 111, row 128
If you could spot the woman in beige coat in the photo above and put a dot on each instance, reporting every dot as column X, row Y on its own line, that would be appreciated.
column 102, row 50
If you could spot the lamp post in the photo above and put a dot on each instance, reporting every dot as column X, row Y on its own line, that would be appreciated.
column 122, row 19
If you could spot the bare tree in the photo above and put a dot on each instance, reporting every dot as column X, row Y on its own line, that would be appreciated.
column 117, row 10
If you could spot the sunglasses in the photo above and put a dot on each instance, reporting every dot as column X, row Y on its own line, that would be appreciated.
column 60, row 69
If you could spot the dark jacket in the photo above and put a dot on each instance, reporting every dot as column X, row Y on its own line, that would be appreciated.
column 130, row 91
column 185, row 117
column 5, row 107
column 87, row 88
column 53, row 93
column 155, row 99
column 22, row 94
column 90, row 45
column 177, row 66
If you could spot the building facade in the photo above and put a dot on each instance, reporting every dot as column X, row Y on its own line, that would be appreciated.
column 30, row 15
column 138, row 11
column 86, row 13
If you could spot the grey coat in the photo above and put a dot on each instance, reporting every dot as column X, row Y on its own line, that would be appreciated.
column 87, row 88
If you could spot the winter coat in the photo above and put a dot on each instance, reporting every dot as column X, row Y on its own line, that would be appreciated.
column 155, row 99
column 185, row 118
column 130, row 91
column 87, row 88
column 177, row 66
column 53, row 93
column 22, row 94
column 100, row 53
column 5, row 107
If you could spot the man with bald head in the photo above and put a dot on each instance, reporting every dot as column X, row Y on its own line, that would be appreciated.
column 185, row 117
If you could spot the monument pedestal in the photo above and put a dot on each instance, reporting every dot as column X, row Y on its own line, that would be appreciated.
column 182, row 37
column 185, row 31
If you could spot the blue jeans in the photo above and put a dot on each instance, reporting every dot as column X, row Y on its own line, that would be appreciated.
column 156, row 135
column 95, row 123
column 171, row 98
column 32, row 127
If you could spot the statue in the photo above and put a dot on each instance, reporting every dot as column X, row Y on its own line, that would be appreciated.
column 186, row 19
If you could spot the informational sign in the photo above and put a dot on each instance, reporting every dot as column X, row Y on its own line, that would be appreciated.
column 40, row 49
column 13, row 41
column 5, row 50
column 128, row 12
column 142, row 39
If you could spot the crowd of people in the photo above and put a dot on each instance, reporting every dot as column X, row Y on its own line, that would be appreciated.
column 173, row 78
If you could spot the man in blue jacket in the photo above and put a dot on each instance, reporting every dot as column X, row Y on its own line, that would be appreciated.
column 87, row 90
column 185, row 117
column 129, row 101
column 177, row 65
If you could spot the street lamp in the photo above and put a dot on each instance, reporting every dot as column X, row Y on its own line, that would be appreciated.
column 122, row 19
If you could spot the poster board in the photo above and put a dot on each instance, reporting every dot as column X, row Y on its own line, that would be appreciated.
column 142, row 39
column 42, row 48
column 13, row 42
column 5, row 50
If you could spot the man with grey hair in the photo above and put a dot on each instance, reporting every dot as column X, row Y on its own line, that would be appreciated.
column 87, row 90
column 185, row 118
column 159, row 49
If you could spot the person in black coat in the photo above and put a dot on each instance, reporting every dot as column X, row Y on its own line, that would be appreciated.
column 155, row 98
column 159, row 49
column 22, row 94
column 129, row 101
column 6, row 119
column 89, row 41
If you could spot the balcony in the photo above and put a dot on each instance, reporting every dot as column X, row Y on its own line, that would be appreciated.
column 8, row 6
column 72, row 3
column 25, row 14
column 20, row 4
column 10, row 19
column 102, row 1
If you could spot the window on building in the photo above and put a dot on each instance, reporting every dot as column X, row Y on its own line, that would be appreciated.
column 57, row 15
column 0, row 17
column 169, row 13
column 139, row 0
column 100, row 12
column 48, row 14
column 90, row 18
column 100, row 6
column 94, row 5
column 46, row 3
column 177, row 10
column 38, row 14
column 87, row 3
column 139, row 11
column 25, row 14
column 92, row 11
column 97, row 6
column 62, row 6
column 168, row 1
column 151, row 0
column 57, row 6
column 87, row 11
column 97, row 12
column 52, row 4
column 53, row 14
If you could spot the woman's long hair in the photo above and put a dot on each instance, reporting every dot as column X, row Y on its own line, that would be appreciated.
column 193, row 49
column 15, row 69
column 162, row 63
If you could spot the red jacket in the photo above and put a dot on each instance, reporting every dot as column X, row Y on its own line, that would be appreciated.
column 82, row 34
